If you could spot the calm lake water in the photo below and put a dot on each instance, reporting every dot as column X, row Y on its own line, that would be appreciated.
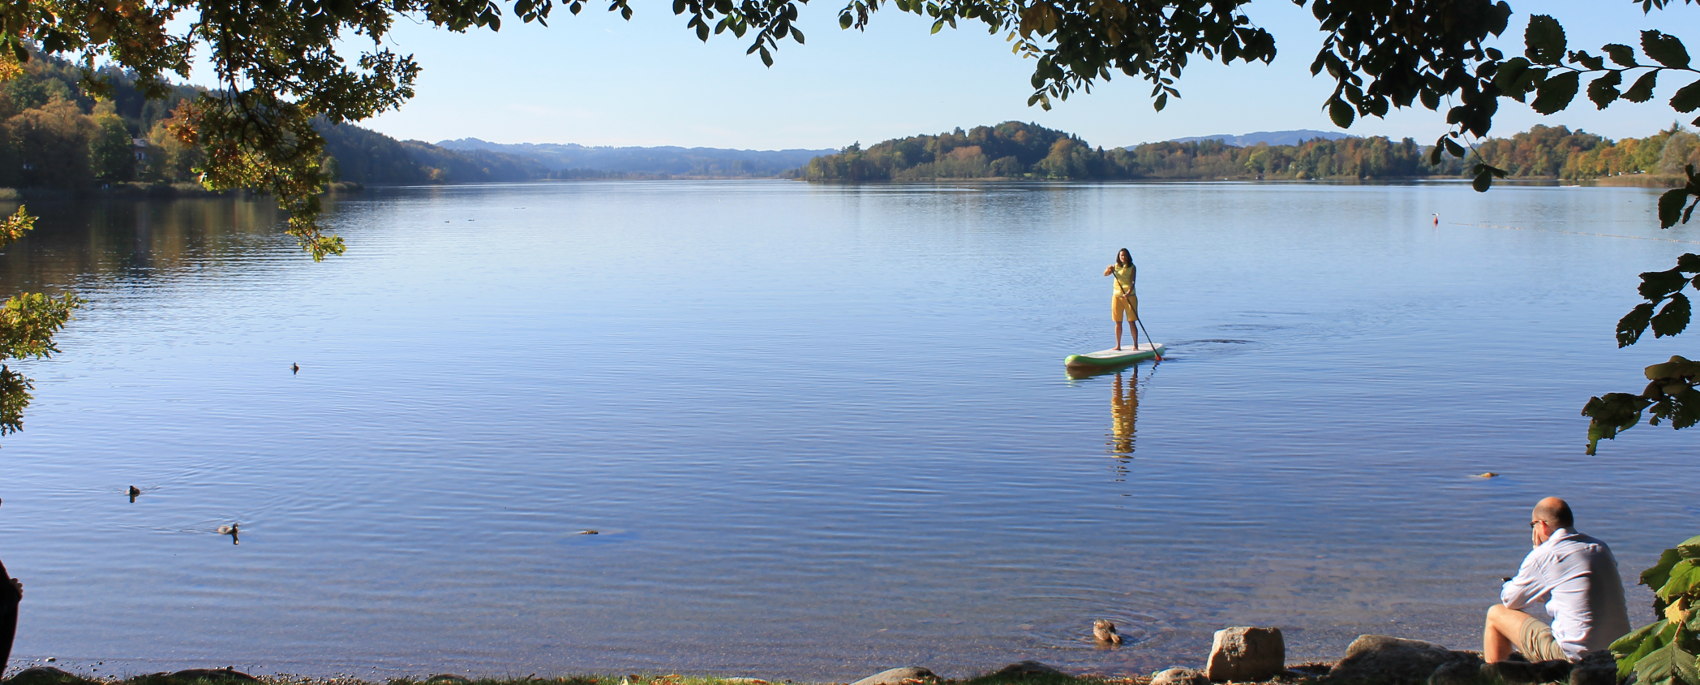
column 822, row 430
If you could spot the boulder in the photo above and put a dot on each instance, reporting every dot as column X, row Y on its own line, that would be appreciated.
column 1026, row 669
column 45, row 675
column 1179, row 676
column 1598, row 667
column 899, row 676
column 1525, row 673
column 1460, row 672
column 1387, row 660
column 1246, row 653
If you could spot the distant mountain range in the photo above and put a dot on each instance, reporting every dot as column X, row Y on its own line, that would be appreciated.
column 1266, row 137
column 658, row 161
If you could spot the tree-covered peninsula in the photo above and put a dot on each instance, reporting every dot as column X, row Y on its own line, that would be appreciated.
column 1015, row 150
column 55, row 133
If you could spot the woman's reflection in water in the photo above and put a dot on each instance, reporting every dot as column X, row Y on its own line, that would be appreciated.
column 1124, row 411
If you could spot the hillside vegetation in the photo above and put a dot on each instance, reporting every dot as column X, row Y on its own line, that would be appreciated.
column 1015, row 150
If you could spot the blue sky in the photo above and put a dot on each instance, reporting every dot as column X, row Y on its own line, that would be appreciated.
column 594, row 79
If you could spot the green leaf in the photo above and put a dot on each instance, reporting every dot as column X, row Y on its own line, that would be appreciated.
column 1657, row 285
column 1668, row 665
column 1628, row 644
column 1642, row 91
column 1544, row 40
column 1556, row 92
column 1677, row 367
column 1673, row 317
column 1659, row 574
column 1610, row 413
column 1664, row 49
column 1430, row 98
column 1621, row 54
column 1670, row 206
column 1633, row 324
column 1603, row 90
column 1684, row 576
column 1656, row 640
column 1484, row 177
column 1687, row 99
column 1341, row 112
column 1509, row 75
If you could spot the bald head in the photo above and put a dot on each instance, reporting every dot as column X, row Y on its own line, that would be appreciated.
column 1555, row 512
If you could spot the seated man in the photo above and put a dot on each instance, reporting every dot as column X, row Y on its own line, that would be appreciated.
column 10, row 592
column 1576, row 576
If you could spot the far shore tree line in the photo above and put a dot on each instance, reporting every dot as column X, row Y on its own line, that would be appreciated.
column 1016, row 150
column 54, row 134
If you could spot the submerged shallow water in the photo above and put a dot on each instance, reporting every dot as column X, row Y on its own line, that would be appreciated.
column 820, row 430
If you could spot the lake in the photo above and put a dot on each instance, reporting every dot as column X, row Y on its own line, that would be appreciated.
column 820, row 430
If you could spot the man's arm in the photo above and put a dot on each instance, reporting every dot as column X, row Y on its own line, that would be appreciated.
column 1526, row 587
column 11, row 589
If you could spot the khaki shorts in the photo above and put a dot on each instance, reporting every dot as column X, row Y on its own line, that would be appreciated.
column 1537, row 643
column 1124, row 308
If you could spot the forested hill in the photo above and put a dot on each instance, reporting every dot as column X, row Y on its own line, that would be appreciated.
column 1265, row 137
column 372, row 158
column 55, row 135
column 1015, row 150
column 574, row 160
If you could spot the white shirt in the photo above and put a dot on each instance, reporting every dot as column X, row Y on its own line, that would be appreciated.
column 1577, row 577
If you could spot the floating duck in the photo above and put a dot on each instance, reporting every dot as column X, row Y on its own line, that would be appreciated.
column 1486, row 474
column 294, row 368
column 590, row 532
column 231, row 529
column 134, row 493
column 1105, row 632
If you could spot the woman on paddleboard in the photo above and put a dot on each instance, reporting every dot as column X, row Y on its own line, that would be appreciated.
column 1124, row 304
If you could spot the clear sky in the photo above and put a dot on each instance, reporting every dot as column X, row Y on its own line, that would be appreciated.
column 594, row 79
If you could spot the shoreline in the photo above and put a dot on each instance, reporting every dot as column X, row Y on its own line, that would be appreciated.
column 147, row 191
column 1243, row 655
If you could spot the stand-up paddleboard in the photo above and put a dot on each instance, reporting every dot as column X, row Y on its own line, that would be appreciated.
column 1113, row 357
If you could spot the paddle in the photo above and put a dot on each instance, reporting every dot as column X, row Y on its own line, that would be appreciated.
column 1141, row 323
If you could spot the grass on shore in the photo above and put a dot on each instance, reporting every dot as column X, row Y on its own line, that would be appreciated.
column 38, row 677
